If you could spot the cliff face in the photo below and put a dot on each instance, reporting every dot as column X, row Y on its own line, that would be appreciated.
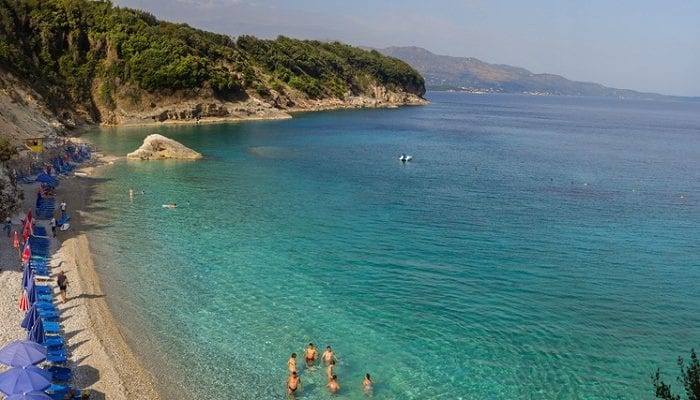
column 23, row 113
column 91, row 62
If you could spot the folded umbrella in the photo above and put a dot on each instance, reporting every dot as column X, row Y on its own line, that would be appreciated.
column 37, row 334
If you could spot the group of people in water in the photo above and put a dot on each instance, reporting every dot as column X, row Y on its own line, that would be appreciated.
column 293, row 384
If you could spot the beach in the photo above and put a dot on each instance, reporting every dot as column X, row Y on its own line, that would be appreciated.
column 100, row 358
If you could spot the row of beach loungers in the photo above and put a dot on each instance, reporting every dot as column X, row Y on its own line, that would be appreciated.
column 58, row 166
column 43, row 318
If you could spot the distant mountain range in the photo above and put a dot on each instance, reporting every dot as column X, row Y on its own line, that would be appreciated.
column 473, row 75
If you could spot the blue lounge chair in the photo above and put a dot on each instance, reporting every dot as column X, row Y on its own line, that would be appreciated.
column 51, row 327
column 53, row 341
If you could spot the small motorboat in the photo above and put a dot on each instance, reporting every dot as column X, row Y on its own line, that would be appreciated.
column 405, row 157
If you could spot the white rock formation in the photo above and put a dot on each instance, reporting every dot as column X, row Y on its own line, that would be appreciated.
column 159, row 147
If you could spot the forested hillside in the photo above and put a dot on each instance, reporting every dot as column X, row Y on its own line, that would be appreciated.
column 95, row 62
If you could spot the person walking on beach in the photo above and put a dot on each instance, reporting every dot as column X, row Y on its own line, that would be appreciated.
column 7, row 226
column 292, row 363
column 293, row 384
column 63, row 209
column 333, row 385
column 53, row 225
column 62, row 282
column 311, row 354
column 328, row 355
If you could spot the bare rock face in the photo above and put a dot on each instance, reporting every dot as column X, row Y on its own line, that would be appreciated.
column 159, row 147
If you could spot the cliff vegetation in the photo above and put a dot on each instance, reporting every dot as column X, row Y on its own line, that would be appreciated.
column 93, row 62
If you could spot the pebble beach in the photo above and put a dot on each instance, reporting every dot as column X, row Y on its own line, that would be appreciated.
column 98, row 354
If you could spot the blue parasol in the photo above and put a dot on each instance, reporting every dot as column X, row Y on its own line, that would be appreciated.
column 29, row 318
column 27, row 275
column 48, row 179
column 31, row 292
column 22, row 353
column 24, row 379
column 30, row 396
column 37, row 334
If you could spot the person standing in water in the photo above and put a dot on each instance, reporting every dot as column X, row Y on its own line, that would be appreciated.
column 311, row 354
column 333, row 385
column 367, row 384
column 131, row 194
column 293, row 384
column 328, row 355
column 292, row 363
column 329, row 370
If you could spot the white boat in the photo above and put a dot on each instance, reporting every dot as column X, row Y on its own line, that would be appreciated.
column 405, row 157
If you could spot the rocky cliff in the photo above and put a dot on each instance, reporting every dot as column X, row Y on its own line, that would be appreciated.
column 93, row 63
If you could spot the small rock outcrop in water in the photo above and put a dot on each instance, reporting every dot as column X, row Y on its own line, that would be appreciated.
column 158, row 147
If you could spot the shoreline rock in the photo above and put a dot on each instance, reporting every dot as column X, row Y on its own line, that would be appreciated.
column 159, row 147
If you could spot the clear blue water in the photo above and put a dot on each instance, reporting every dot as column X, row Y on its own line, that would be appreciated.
column 536, row 248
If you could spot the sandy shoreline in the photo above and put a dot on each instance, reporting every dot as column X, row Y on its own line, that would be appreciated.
column 99, row 355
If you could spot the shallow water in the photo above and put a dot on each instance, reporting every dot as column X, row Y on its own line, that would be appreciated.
column 536, row 248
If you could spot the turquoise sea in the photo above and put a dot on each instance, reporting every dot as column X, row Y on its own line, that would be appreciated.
column 536, row 248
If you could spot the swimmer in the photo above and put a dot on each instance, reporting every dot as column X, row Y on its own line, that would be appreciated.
column 367, row 384
column 292, row 363
column 293, row 384
column 333, row 385
column 329, row 370
column 328, row 355
column 170, row 205
column 311, row 354
column 131, row 194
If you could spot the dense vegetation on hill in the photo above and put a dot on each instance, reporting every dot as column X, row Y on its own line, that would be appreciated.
column 81, row 53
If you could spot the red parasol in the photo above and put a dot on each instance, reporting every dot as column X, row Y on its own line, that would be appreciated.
column 26, row 253
column 23, row 301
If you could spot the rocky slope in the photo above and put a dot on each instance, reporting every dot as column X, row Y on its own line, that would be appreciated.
column 93, row 63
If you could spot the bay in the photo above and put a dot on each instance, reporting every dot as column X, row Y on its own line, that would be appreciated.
column 535, row 248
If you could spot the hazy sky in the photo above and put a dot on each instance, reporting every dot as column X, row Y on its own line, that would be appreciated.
column 647, row 45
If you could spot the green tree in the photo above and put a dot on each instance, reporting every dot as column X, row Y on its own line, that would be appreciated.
column 690, row 378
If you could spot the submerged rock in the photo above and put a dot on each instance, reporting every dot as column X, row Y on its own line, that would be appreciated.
column 159, row 147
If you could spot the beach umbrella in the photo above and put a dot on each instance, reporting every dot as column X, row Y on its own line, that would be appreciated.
column 37, row 334
column 31, row 292
column 22, row 353
column 23, row 301
column 27, row 252
column 48, row 179
column 29, row 318
column 24, row 379
column 27, row 275
column 29, row 396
